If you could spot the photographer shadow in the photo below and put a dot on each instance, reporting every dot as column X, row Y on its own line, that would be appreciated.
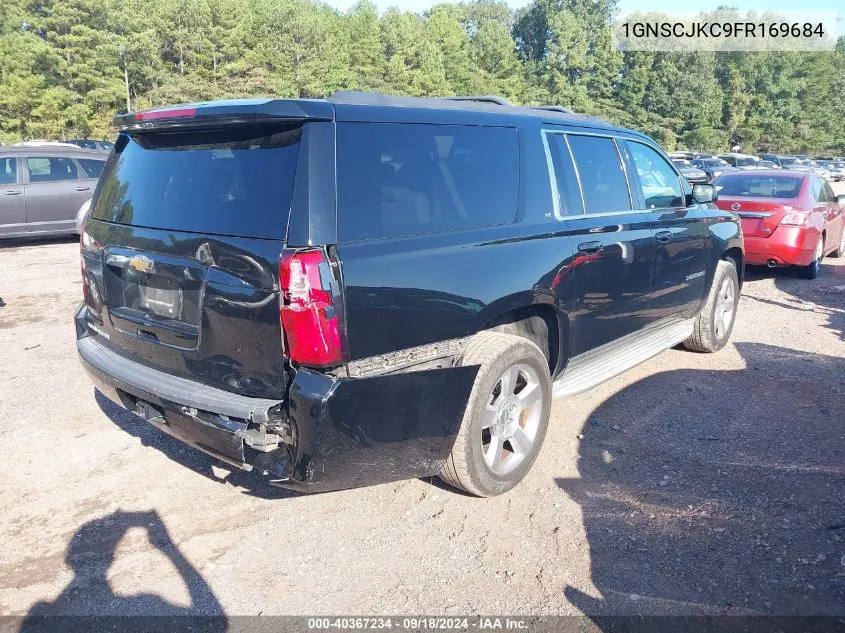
column 89, row 603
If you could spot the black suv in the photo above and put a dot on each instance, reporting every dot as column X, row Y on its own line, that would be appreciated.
column 367, row 288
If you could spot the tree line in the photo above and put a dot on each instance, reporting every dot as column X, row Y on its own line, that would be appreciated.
column 67, row 66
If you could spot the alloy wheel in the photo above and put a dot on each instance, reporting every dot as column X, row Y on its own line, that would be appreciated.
column 511, row 419
column 725, row 306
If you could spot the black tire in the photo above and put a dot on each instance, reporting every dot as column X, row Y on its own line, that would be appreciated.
column 708, row 335
column 498, row 353
column 811, row 271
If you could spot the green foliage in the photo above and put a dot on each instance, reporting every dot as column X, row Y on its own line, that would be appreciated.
column 67, row 66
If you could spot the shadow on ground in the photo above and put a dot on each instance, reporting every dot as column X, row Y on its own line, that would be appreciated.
column 19, row 242
column 824, row 295
column 89, row 602
column 718, row 492
column 252, row 483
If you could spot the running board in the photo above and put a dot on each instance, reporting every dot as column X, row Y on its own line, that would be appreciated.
column 592, row 368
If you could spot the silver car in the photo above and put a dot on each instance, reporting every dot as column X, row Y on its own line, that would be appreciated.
column 42, row 188
column 835, row 168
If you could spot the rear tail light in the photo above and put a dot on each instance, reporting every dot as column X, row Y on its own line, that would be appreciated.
column 796, row 218
column 307, row 312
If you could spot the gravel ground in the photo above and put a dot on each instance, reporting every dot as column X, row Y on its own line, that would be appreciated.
column 692, row 484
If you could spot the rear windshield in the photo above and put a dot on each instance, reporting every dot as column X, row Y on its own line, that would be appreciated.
column 237, row 181
column 744, row 162
column 759, row 186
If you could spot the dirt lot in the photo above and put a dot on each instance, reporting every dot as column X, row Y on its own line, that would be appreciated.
column 693, row 484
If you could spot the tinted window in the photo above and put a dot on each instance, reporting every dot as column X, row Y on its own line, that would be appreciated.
column 822, row 191
column 658, row 181
column 93, row 168
column 8, row 171
column 758, row 186
column 43, row 169
column 828, row 193
column 401, row 179
column 600, row 171
column 568, row 192
column 232, row 182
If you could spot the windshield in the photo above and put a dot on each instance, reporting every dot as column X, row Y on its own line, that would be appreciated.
column 740, row 185
column 237, row 181
column 713, row 162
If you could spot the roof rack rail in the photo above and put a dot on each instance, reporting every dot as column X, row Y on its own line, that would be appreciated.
column 553, row 108
column 481, row 99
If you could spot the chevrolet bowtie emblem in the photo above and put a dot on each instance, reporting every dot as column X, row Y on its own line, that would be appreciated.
column 141, row 264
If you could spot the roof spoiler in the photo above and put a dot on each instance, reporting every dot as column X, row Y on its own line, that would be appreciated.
column 194, row 115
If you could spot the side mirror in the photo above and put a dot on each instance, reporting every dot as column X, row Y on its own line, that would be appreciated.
column 703, row 194
column 840, row 199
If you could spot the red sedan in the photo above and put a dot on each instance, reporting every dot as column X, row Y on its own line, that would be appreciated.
column 788, row 217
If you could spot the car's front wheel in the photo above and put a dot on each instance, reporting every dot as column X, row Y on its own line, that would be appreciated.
column 715, row 322
column 506, row 416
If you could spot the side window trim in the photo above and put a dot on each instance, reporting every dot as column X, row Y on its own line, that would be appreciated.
column 555, row 187
column 577, row 175
column 631, row 175
column 554, row 190
column 624, row 165
column 546, row 132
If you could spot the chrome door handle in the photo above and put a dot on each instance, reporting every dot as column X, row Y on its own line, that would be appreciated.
column 83, row 188
column 12, row 193
column 589, row 247
column 663, row 236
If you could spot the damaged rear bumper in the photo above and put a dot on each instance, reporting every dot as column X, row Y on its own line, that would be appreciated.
column 328, row 434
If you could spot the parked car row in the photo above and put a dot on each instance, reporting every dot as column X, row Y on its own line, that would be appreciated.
column 104, row 146
column 830, row 168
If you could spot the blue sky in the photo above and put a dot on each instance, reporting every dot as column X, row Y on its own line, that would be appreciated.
column 631, row 5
